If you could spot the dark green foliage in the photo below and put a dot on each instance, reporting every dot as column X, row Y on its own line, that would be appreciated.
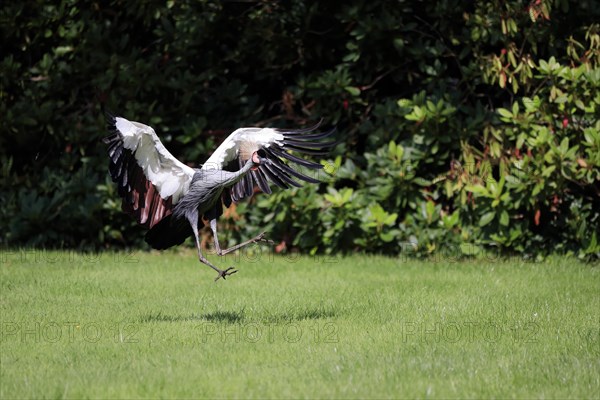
column 466, row 127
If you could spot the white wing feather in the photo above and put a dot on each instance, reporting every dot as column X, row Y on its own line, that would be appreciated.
column 169, row 175
column 246, row 140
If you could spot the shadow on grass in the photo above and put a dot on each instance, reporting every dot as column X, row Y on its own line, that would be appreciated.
column 300, row 315
column 217, row 316
column 233, row 317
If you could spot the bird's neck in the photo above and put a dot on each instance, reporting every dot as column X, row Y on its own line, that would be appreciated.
column 231, row 178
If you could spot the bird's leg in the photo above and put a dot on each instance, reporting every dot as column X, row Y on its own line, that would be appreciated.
column 257, row 238
column 222, row 273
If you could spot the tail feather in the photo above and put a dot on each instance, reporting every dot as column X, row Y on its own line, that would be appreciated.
column 168, row 233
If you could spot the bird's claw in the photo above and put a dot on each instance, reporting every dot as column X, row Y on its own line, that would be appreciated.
column 225, row 273
column 261, row 238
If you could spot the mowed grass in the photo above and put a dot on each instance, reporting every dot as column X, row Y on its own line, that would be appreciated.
column 130, row 325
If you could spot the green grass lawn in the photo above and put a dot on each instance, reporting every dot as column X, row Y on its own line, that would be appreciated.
column 156, row 325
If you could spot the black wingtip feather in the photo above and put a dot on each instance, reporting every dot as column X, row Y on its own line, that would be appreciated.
column 274, row 178
column 302, row 131
column 109, row 116
column 261, row 181
column 280, row 164
column 312, row 136
column 293, row 158
column 306, row 143
column 306, row 151
column 272, row 167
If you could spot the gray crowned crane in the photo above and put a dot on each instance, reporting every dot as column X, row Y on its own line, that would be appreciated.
column 171, row 199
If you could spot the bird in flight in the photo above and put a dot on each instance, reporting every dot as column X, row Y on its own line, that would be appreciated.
column 172, row 200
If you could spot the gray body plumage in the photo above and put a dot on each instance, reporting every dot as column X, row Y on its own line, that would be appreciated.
column 205, row 191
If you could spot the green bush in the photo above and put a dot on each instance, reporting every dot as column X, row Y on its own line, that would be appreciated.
column 516, row 175
column 466, row 127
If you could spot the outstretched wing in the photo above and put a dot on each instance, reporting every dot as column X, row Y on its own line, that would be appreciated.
column 274, row 145
column 150, row 180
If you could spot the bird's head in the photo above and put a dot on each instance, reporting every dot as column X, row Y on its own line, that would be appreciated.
column 258, row 159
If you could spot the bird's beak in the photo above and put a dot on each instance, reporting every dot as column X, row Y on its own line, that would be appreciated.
column 257, row 159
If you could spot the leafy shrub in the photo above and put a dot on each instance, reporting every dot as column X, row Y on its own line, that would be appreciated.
column 545, row 149
column 468, row 177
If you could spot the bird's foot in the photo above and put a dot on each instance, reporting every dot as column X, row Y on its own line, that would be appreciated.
column 225, row 273
column 261, row 238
